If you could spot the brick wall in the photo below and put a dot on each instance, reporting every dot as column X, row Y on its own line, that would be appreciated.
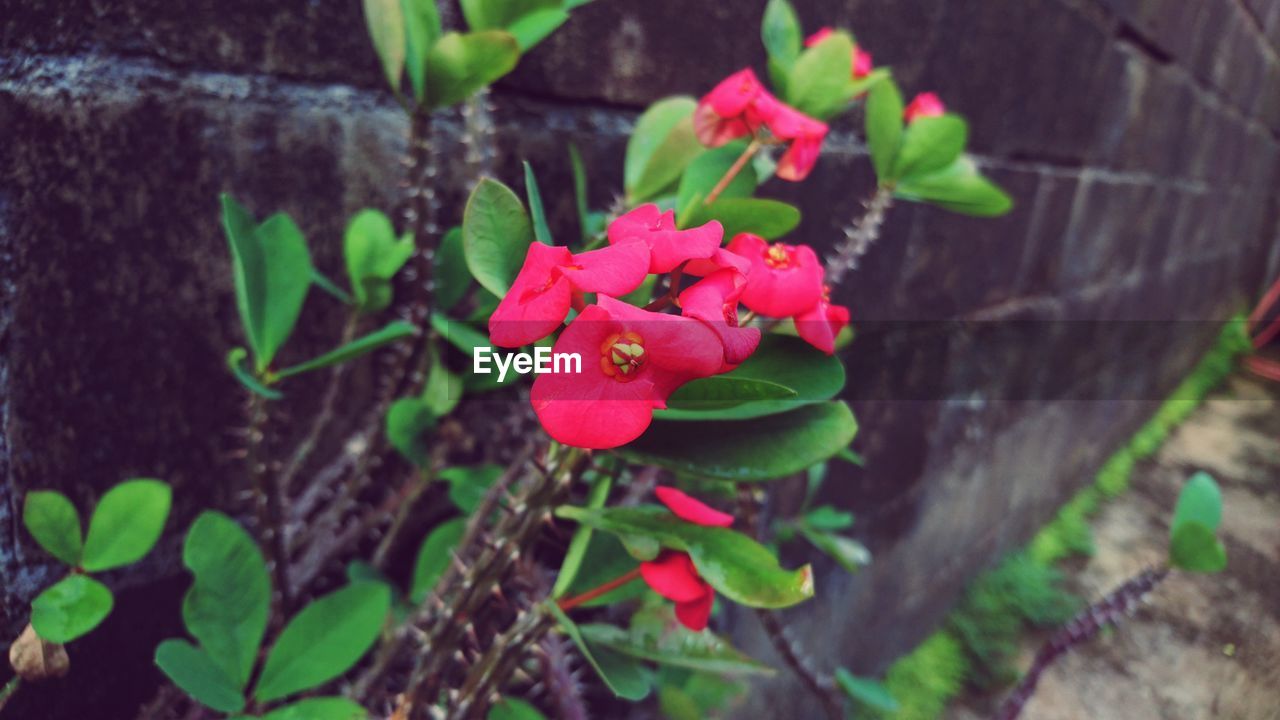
column 1139, row 139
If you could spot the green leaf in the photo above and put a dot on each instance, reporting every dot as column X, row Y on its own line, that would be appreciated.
column 422, row 30
column 1195, row 548
column 785, row 361
column 851, row 554
column 385, row 21
column 884, row 126
column 735, row 565
column 443, row 390
column 930, row 144
column 607, row 558
column 818, row 82
column 677, row 646
column 514, row 709
column 408, row 420
column 288, row 276
column 126, row 524
column 248, row 269
column 319, row 708
column 780, row 32
column 395, row 330
column 540, row 229
column 321, row 281
column 460, row 335
column 227, row 606
column 70, row 608
column 536, row 26
column 53, row 521
column 722, row 391
column 236, row 364
column 324, row 640
column 196, row 674
column 434, row 557
column 1200, row 501
column 581, row 201
column 373, row 255
column 748, row 450
column 581, row 540
column 453, row 278
column 660, row 148
column 868, row 693
column 959, row 188
column 705, row 172
column 468, row 485
column 495, row 235
column 623, row 677
column 828, row 518
column 496, row 14
column 770, row 219
column 460, row 64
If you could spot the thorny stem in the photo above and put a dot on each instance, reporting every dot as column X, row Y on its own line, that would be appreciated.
column 423, row 480
column 822, row 686
column 267, row 500
column 1108, row 611
column 859, row 236
column 567, row 604
column 752, row 148
column 508, row 649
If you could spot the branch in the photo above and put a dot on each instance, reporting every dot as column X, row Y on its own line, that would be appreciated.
column 859, row 236
column 267, row 501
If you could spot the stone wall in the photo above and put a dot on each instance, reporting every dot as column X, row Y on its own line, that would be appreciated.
column 998, row 360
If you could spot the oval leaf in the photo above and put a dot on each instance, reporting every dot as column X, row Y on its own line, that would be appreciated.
column 385, row 21
column 321, row 708
column 126, row 524
column 408, row 420
column 460, row 64
column 324, row 640
column 884, row 126
column 288, row 272
column 959, row 188
column 495, row 235
column 704, row 173
column 930, row 144
column 1195, row 548
column 434, row 557
column 191, row 669
column 660, row 147
column 373, row 256
column 70, row 608
column 53, row 521
column 226, row 607
column 677, row 646
column 818, row 83
column 735, row 565
column 722, row 391
column 453, row 278
column 1200, row 501
column 770, row 219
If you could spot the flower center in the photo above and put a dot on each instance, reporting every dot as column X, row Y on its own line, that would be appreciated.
column 621, row 356
column 777, row 257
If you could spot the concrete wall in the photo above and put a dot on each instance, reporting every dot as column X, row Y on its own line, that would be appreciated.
column 1139, row 139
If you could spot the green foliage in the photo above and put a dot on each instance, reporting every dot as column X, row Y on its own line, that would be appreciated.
column 408, row 420
column 541, row 232
column 53, row 521
column 468, row 484
column 126, row 524
column 514, row 709
column 702, row 175
column 394, row 331
column 929, row 145
column 530, row 21
column 819, row 83
column 236, row 364
column 319, row 708
column 422, row 30
column 747, row 450
column 958, row 187
column 884, row 126
column 373, row 256
column 770, row 219
column 434, row 557
column 70, row 608
column 925, row 679
column 459, row 65
column 660, row 148
column 1113, row 477
column 721, row 392
column 577, row 550
column 866, row 693
column 656, row 636
column 606, row 558
column 496, row 233
column 192, row 670
column 385, row 22
column 625, row 677
column 453, row 278
column 781, row 34
column 324, row 640
column 1193, row 545
column 735, row 565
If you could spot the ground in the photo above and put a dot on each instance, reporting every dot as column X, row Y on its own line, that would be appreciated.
column 1203, row 646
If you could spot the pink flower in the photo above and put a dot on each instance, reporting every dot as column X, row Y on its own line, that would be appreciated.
column 784, row 279
column 861, row 60
column 924, row 105
column 631, row 361
column 672, row 574
column 820, row 324
column 714, row 301
column 735, row 108
column 668, row 247
column 805, row 135
column 543, row 291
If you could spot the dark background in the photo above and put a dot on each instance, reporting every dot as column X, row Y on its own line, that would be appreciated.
column 1138, row 137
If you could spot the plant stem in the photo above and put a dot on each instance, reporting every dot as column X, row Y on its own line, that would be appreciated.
column 859, row 236
column 8, row 690
column 267, row 500
column 567, row 604
column 752, row 148
column 1108, row 611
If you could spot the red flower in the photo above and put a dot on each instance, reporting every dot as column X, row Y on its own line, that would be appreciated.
column 924, row 105
column 631, row 361
column 543, row 291
column 668, row 247
column 820, row 324
column 784, row 279
column 735, row 108
column 861, row 60
column 805, row 135
column 672, row 574
column 714, row 300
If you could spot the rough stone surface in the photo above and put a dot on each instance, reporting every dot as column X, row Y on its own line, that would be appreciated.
column 1138, row 138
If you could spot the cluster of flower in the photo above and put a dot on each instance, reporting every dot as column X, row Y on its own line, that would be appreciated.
column 634, row 358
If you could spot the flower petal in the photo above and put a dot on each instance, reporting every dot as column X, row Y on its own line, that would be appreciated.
column 779, row 291
column 690, row 509
column 668, row 247
column 673, row 576
column 613, row 270
column 537, row 302
column 695, row 614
